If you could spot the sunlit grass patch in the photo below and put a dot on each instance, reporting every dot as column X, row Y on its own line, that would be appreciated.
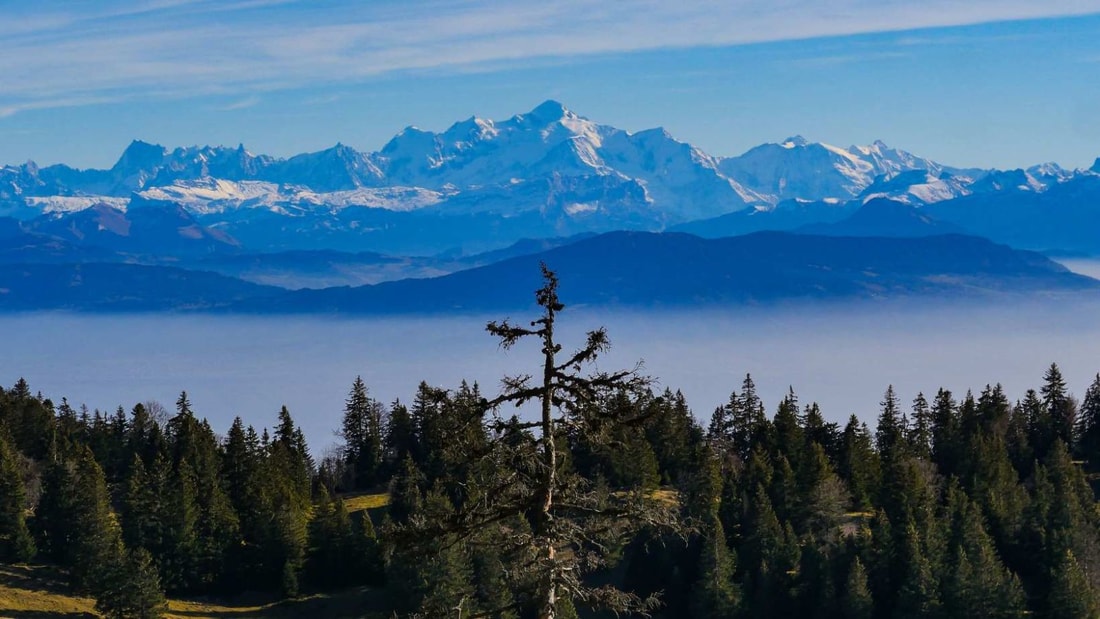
column 360, row 502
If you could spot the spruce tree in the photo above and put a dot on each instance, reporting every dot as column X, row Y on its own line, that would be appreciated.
column 714, row 595
column 16, row 544
column 945, row 432
column 362, row 430
column 132, row 588
column 400, row 439
column 1088, row 427
column 52, row 524
column 1070, row 595
column 859, row 464
column 856, row 602
column 96, row 537
column 1060, row 408
column 574, row 524
column 920, row 432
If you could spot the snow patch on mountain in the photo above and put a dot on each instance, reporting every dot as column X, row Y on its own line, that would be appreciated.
column 72, row 204
column 211, row 196
column 917, row 187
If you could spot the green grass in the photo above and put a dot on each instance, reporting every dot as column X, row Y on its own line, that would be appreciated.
column 36, row 592
column 357, row 502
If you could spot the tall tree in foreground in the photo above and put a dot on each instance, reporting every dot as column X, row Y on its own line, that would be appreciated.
column 573, row 523
column 559, row 526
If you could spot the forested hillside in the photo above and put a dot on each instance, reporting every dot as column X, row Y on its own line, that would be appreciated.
column 597, row 493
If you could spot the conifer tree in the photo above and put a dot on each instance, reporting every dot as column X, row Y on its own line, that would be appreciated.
column 16, row 544
column 95, row 535
column 1088, row 427
column 714, row 595
column 788, row 430
column 1060, row 408
column 945, row 432
column 573, row 523
column 362, row 431
column 856, row 602
column 859, row 465
column 142, row 512
column 918, row 592
column 920, row 432
column 890, row 432
column 1070, row 595
column 979, row 585
column 132, row 588
column 400, row 439
column 52, row 519
column 1040, row 425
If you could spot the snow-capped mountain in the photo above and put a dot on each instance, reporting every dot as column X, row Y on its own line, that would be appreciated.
column 552, row 141
column 920, row 186
column 481, row 184
column 798, row 169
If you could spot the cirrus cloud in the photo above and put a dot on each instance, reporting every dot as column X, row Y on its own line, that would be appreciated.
column 63, row 53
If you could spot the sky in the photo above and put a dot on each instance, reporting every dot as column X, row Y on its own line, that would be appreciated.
column 990, row 83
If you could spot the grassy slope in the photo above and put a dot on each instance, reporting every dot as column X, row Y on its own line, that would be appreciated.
column 36, row 592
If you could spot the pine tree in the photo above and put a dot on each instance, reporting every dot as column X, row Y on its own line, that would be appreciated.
column 400, row 439
column 945, row 432
column 1088, row 427
column 859, row 465
column 980, row 585
column 714, row 595
column 526, row 473
column 141, row 510
column 856, row 602
column 16, row 544
column 1060, row 408
column 918, row 592
column 1040, row 425
column 822, row 498
column 788, row 430
column 96, row 537
column 890, row 432
column 1070, row 595
column 435, row 579
column 132, row 588
column 207, row 529
column 52, row 519
column 336, row 556
column 362, row 434
column 920, row 433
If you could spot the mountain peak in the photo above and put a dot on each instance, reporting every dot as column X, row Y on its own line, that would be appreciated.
column 549, row 111
column 141, row 154
column 1095, row 166
column 794, row 141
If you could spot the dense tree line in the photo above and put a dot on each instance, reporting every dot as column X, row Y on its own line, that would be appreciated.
column 607, row 494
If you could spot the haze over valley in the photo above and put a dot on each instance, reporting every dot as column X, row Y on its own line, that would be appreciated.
column 842, row 355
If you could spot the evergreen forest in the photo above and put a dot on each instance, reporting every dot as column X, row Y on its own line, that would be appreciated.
column 573, row 492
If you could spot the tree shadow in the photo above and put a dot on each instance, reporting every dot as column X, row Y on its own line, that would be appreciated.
column 358, row 603
column 42, row 614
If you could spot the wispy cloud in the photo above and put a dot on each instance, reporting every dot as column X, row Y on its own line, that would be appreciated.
column 241, row 104
column 110, row 50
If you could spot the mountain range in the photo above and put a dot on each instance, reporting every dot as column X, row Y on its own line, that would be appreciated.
column 483, row 184
column 458, row 219
column 617, row 269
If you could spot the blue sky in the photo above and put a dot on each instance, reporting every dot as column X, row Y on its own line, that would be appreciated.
column 1004, row 83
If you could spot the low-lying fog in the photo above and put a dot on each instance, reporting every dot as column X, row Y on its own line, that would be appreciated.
column 841, row 356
